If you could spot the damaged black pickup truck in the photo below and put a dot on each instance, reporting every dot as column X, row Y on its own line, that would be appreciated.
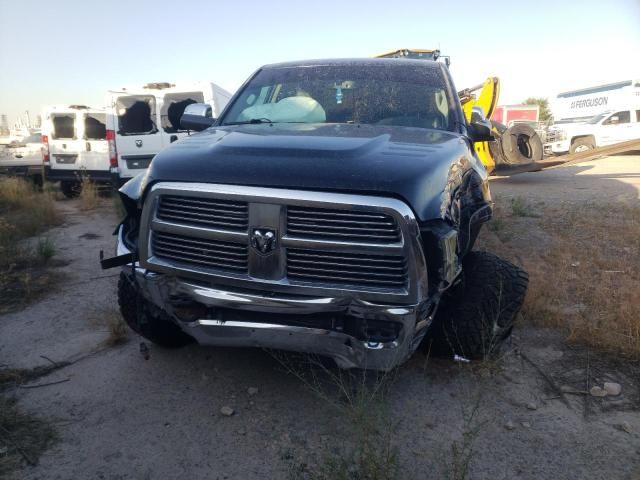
column 331, row 209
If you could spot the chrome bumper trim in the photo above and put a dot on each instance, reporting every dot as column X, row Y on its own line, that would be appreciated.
column 345, row 350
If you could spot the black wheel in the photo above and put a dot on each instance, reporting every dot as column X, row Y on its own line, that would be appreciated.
column 581, row 145
column 521, row 145
column 478, row 315
column 495, row 148
column 37, row 181
column 146, row 320
column 70, row 188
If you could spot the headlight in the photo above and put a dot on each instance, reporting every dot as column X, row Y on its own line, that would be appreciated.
column 562, row 135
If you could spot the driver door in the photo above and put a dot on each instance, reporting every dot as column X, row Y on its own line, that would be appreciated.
column 616, row 128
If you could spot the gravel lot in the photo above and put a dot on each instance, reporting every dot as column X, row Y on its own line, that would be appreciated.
column 121, row 416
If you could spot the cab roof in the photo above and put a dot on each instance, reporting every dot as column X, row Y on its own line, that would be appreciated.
column 362, row 62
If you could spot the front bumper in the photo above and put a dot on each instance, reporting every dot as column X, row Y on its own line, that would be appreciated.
column 556, row 148
column 99, row 176
column 216, row 315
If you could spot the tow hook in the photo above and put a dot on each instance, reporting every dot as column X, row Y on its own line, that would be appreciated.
column 116, row 261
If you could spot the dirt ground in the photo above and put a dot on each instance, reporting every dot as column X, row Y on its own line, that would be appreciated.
column 120, row 416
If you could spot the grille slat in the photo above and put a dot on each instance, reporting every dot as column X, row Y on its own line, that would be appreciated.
column 201, row 211
column 344, row 225
column 214, row 213
column 197, row 249
column 311, row 265
column 339, row 228
column 182, row 218
column 209, row 263
column 201, row 252
column 337, row 221
column 198, row 241
column 345, row 273
column 206, row 202
column 348, row 269
column 335, row 213
column 322, row 255
column 200, row 257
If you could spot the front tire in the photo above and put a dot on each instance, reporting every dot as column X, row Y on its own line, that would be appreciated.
column 581, row 145
column 147, row 320
column 478, row 315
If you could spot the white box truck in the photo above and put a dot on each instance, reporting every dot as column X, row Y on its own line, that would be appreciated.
column 75, row 146
column 594, row 117
column 144, row 120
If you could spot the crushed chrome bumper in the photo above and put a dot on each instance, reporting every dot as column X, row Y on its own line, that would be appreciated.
column 210, row 324
column 249, row 329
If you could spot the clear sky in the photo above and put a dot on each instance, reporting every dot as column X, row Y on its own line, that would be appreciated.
column 72, row 51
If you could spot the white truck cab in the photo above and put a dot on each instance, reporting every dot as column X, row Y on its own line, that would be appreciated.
column 606, row 128
column 144, row 120
column 75, row 146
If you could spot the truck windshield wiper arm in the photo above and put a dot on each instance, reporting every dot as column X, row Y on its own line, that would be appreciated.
column 251, row 121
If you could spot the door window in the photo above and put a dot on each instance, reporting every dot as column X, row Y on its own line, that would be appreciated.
column 95, row 127
column 64, row 126
column 637, row 115
column 136, row 114
column 623, row 117
column 173, row 108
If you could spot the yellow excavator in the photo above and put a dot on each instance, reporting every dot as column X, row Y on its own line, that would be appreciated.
column 515, row 149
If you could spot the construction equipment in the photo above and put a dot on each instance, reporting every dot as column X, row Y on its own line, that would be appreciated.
column 515, row 149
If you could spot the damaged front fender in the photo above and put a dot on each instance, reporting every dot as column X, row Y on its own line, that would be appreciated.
column 133, row 190
column 131, row 196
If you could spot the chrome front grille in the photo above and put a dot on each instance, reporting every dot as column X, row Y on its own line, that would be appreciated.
column 552, row 136
column 188, row 250
column 214, row 213
column 347, row 268
column 321, row 243
column 345, row 225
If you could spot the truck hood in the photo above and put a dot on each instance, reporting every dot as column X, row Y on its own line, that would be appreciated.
column 412, row 164
column 570, row 127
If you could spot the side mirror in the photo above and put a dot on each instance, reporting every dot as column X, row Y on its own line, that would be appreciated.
column 197, row 116
column 480, row 126
column 613, row 120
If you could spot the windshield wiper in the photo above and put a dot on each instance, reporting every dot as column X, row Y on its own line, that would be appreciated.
column 251, row 121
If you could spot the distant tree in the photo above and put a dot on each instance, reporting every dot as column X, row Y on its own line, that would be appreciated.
column 543, row 103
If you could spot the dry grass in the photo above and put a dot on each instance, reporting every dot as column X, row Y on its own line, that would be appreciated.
column 24, row 212
column 520, row 207
column 464, row 450
column 360, row 398
column 584, row 271
column 114, row 324
column 23, row 437
column 589, row 281
column 89, row 198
